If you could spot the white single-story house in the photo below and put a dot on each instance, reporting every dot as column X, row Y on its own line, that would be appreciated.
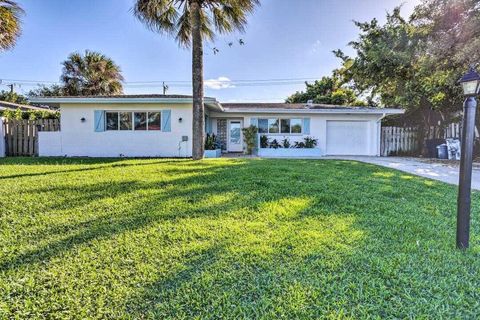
column 161, row 126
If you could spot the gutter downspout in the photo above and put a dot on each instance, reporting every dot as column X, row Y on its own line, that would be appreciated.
column 379, row 146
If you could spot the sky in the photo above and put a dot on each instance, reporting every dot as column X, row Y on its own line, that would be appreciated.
column 285, row 39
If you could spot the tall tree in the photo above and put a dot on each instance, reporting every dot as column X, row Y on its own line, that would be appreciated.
column 191, row 22
column 54, row 90
column 328, row 90
column 415, row 62
column 91, row 74
column 10, row 29
column 13, row 97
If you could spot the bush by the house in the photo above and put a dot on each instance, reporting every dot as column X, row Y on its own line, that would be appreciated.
column 263, row 142
column 211, row 142
column 310, row 142
column 307, row 143
column 274, row 144
column 29, row 115
column 250, row 138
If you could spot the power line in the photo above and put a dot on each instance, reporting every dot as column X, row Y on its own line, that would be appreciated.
column 29, row 81
column 227, row 85
column 226, row 81
column 240, row 82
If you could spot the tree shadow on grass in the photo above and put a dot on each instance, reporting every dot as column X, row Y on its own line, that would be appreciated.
column 281, row 226
column 241, row 278
column 222, row 179
column 110, row 163
column 173, row 181
column 145, row 210
column 360, row 266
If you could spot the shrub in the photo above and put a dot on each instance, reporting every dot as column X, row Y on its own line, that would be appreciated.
column 299, row 145
column 274, row 144
column 211, row 142
column 29, row 115
column 263, row 142
column 308, row 143
column 286, row 143
column 250, row 138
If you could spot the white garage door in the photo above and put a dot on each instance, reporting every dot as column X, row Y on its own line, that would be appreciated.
column 347, row 138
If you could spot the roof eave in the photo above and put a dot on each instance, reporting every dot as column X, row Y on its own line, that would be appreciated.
column 318, row 111
column 73, row 100
column 13, row 106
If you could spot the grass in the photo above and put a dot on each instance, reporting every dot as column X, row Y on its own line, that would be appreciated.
column 113, row 238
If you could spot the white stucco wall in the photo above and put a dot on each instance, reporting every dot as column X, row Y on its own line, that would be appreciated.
column 318, row 127
column 50, row 144
column 78, row 138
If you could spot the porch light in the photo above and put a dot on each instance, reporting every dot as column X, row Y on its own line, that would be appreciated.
column 470, row 82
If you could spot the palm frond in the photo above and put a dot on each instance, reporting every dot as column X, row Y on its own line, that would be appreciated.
column 159, row 15
column 173, row 17
column 206, row 23
column 91, row 74
column 184, row 26
column 10, row 23
column 222, row 22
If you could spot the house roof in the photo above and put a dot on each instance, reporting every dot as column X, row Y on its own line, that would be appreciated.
column 5, row 105
column 297, row 106
column 214, row 105
column 263, row 106
column 131, row 99
column 303, row 108
column 122, row 96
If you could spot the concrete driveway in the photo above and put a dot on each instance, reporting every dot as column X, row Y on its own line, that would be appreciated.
column 446, row 172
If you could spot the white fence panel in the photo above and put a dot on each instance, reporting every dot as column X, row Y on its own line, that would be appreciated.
column 2, row 139
column 398, row 141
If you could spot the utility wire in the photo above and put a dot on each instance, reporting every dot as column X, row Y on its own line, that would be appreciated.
column 225, row 81
column 184, row 83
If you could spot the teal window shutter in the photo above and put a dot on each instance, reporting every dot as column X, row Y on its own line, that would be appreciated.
column 306, row 125
column 99, row 120
column 208, row 124
column 254, row 122
column 166, row 120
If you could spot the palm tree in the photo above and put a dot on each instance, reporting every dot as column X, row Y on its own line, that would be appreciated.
column 91, row 74
column 191, row 22
column 10, row 29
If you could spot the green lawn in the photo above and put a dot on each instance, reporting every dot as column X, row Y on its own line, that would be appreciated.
column 231, row 238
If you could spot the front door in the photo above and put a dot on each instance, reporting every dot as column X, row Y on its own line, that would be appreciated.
column 235, row 140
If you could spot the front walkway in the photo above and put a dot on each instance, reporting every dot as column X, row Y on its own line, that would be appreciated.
column 445, row 172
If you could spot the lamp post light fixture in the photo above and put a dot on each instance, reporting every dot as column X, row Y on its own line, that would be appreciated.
column 470, row 84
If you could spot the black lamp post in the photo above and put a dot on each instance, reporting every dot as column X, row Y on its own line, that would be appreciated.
column 471, row 84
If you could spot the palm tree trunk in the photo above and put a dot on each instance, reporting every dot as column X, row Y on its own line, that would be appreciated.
column 197, row 82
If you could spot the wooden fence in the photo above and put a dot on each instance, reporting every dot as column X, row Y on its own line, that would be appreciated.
column 398, row 141
column 21, row 136
column 454, row 130
column 404, row 141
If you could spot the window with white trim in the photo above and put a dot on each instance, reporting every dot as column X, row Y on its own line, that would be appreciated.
column 133, row 120
column 280, row 125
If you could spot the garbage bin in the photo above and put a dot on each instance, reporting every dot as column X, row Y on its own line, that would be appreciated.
column 442, row 151
column 432, row 147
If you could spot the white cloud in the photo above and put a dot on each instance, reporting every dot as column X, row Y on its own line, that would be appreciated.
column 219, row 83
column 316, row 47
